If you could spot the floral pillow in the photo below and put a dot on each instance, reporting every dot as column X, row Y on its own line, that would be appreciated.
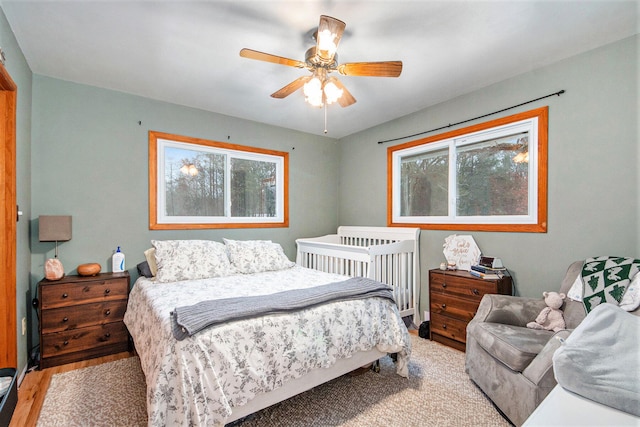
column 190, row 259
column 255, row 256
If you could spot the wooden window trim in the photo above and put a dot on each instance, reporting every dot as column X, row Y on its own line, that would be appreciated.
column 541, row 225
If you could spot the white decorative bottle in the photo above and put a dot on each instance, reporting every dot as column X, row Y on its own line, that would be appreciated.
column 117, row 261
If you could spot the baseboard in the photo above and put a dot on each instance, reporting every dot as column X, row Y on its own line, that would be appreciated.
column 22, row 374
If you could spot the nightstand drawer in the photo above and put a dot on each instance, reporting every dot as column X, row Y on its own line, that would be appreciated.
column 450, row 284
column 449, row 327
column 64, row 318
column 64, row 294
column 84, row 338
column 459, row 308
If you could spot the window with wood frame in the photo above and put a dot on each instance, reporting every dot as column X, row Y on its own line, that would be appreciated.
column 487, row 177
column 197, row 183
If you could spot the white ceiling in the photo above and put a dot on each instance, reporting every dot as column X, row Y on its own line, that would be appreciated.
column 187, row 52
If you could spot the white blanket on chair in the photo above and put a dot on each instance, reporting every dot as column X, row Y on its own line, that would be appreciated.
column 601, row 359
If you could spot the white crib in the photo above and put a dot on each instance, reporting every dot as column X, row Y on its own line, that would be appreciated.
column 388, row 254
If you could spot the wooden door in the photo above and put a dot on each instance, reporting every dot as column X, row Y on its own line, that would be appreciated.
column 8, row 217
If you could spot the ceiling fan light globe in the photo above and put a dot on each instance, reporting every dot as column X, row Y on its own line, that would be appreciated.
column 332, row 92
column 326, row 44
column 313, row 88
column 315, row 101
column 313, row 92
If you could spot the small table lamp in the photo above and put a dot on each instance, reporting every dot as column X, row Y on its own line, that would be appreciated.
column 54, row 228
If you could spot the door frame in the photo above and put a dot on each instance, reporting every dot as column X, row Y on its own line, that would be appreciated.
column 8, row 218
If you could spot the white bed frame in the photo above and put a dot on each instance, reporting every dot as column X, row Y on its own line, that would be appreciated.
column 307, row 382
column 388, row 254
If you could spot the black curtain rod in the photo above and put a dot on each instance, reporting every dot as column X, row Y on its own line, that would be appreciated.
column 475, row 118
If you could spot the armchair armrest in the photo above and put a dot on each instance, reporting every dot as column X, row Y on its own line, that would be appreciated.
column 540, row 370
column 508, row 310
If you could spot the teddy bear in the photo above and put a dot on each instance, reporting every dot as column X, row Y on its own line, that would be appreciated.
column 551, row 317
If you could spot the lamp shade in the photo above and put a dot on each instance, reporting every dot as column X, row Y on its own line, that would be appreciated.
column 54, row 228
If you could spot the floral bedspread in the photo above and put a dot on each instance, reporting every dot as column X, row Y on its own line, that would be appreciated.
column 198, row 381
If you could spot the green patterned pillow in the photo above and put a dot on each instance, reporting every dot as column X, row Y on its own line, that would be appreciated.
column 606, row 279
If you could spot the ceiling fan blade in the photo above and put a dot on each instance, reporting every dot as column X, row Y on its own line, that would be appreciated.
column 330, row 32
column 291, row 87
column 261, row 56
column 346, row 99
column 371, row 69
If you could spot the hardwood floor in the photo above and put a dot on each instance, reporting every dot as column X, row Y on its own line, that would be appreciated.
column 34, row 387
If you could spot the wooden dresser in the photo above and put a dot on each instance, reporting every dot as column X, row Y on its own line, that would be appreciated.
column 454, row 297
column 81, row 317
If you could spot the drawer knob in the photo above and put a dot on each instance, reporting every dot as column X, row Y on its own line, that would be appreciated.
column 444, row 326
column 475, row 292
column 106, row 291
column 65, row 342
column 444, row 306
column 65, row 319
column 444, row 285
column 65, row 295
column 108, row 312
column 107, row 335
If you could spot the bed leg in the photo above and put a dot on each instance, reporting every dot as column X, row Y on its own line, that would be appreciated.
column 375, row 367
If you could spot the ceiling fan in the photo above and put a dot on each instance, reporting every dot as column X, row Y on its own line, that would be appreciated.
column 321, row 89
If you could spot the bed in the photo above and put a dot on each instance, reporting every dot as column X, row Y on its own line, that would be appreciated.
column 229, row 370
column 390, row 255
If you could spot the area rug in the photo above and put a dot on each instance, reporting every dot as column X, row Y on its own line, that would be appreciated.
column 437, row 393
column 110, row 394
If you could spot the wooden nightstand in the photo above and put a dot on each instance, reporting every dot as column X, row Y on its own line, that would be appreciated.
column 81, row 317
column 454, row 297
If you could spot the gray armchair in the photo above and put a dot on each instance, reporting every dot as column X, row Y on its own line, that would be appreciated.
column 511, row 363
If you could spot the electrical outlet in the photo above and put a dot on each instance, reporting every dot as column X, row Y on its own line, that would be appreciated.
column 24, row 326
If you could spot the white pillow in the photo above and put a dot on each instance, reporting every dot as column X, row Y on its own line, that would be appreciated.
column 190, row 259
column 150, row 256
column 575, row 293
column 631, row 298
column 255, row 256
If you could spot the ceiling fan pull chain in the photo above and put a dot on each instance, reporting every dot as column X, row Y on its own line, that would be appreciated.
column 325, row 117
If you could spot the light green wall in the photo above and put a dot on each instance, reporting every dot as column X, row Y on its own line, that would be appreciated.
column 22, row 76
column 90, row 160
column 593, row 166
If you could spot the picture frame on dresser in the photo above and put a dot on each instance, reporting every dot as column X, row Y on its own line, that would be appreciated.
column 81, row 317
column 454, row 297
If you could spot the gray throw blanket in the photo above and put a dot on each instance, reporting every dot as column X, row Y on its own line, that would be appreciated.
column 188, row 320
